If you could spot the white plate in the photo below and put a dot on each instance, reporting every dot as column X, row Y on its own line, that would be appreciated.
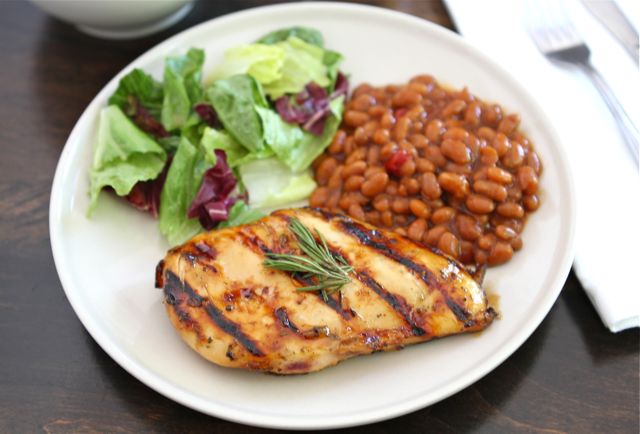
column 106, row 264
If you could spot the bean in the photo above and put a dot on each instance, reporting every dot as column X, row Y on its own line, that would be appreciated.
column 531, row 202
column 490, row 189
column 353, row 183
column 356, row 211
column 337, row 144
column 528, row 180
column 400, row 205
column 449, row 244
column 376, row 111
column 411, row 184
column 335, row 181
column 408, row 168
column 319, row 197
column 486, row 241
column 505, row 232
column 468, row 227
column 466, row 252
column 360, row 136
column 430, row 186
column 406, row 98
column 362, row 102
column 443, row 215
column 486, row 133
column 401, row 129
column 479, row 204
column 356, row 155
column 499, row 175
column 434, row 130
column 492, row 115
column 381, row 203
column 419, row 141
column 501, row 144
column 510, row 209
column 355, row 168
column 432, row 236
column 419, row 208
column 509, row 124
column 325, row 170
column 375, row 184
column 381, row 136
column 416, row 229
column 387, row 218
column 500, row 253
column 372, row 217
column 454, row 108
column 514, row 156
column 533, row 161
column 457, row 185
column 388, row 150
column 473, row 113
column 456, row 151
column 373, row 155
column 516, row 243
column 456, row 133
column 420, row 88
column 387, row 121
column 353, row 118
column 489, row 156
column 423, row 165
column 433, row 154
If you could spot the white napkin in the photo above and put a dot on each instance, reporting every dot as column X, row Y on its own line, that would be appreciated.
column 608, row 193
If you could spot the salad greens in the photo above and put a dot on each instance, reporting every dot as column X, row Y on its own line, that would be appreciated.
column 222, row 154
column 124, row 155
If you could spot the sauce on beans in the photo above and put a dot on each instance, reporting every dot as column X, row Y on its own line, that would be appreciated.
column 437, row 165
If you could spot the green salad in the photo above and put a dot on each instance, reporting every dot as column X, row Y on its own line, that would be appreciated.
column 200, row 156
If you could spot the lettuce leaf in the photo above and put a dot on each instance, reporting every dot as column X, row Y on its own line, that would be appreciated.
column 269, row 183
column 123, row 156
column 182, row 88
column 303, row 63
column 240, row 214
column 180, row 188
column 234, row 100
column 309, row 35
column 263, row 62
column 213, row 139
column 293, row 146
column 140, row 85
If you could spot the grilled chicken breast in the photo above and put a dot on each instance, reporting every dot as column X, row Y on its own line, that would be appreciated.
column 238, row 313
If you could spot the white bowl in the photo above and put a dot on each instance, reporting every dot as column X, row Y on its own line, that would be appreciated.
column 118, row 19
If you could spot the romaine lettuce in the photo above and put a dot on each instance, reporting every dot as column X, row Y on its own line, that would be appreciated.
column 182, row 88
column 180, row 188
column 123, row 156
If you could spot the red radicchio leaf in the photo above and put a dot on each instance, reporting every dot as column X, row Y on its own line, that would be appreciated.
column 310, row 107
column 145, row 195
column 208, row 115
column 211, row 204
column 144, row 120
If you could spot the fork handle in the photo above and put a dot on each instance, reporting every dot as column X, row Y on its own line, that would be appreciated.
column 627, row 128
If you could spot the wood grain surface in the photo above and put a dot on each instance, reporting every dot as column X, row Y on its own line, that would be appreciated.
column 571, row 375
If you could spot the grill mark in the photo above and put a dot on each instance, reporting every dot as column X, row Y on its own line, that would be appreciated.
column 281, row 314
column 397, row 302
column 174, row 284
column 251, row 240
column 363, row 235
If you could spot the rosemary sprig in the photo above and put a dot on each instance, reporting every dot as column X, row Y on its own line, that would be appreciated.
column 329, row 272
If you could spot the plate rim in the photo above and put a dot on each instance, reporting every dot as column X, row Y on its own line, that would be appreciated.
column 177, row 394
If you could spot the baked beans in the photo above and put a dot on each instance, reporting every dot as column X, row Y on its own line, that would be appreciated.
column 437, row 165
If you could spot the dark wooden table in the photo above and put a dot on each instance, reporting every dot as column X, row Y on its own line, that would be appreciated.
column 571, row 375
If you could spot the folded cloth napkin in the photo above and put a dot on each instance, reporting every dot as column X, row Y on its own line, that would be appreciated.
column 606, row 179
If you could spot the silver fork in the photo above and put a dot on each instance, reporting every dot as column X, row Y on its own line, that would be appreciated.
column 554, row 34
